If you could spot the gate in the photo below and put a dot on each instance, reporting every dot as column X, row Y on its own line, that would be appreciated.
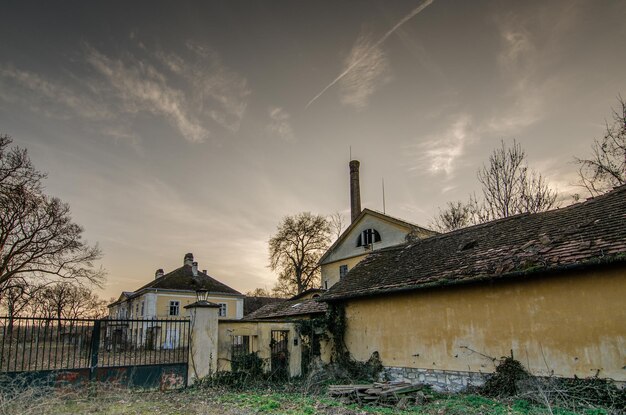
column 280, row 353
column 133, row 353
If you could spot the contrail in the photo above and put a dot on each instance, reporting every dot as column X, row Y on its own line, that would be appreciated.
column 405, row 19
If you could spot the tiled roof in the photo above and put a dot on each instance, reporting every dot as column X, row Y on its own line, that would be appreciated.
column 251, row 304
column 183, row 279
column 590, row 232
column 287, row 308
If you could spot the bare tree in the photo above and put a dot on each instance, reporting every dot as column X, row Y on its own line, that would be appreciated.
column 38, row 240
column 509, row 187
column 607, row 166
column 295, row 250
column 64, row 300
column 337, row 224
column 456, row 215
column 258, row 292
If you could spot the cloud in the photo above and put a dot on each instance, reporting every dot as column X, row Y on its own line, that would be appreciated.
column 51, row 98
column 279, row 124
column 356, row 62
column 440, row 153
column 532, row 69
column 217, row 91
column 141, row 87
column 369, row 69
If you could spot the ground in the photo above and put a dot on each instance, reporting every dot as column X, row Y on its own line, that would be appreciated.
column 221, row 402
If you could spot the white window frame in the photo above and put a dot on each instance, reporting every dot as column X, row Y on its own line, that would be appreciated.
column 223, row 311
column 174, row 306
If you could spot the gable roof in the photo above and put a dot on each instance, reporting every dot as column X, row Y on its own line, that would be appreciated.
column 183, row 279
column 586, row 233
column 288, row 308
column 377, row 215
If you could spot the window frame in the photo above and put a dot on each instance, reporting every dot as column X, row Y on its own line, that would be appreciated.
column 174, row 306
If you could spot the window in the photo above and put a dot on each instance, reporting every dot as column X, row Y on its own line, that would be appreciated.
column 174, row 308
column 142, row 304
column 368, row 237
column 343, row 270
column 223, row 309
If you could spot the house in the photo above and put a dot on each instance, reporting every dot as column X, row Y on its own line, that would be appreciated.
column 548, row 288
column 167, row 295
column 368, row 231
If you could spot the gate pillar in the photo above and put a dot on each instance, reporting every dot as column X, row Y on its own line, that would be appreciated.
column 203, row 340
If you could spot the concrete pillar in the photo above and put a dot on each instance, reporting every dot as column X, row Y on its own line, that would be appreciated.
column 203, row 342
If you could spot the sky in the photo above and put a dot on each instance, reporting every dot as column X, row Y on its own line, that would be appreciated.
column 196, row 126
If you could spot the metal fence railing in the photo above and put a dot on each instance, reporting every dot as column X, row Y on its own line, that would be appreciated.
column 35, row 344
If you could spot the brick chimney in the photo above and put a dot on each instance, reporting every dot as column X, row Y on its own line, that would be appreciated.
column 188, row 259
column 159, row 273
column 355, row 190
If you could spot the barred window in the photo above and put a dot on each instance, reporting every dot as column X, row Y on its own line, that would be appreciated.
column 368, row 237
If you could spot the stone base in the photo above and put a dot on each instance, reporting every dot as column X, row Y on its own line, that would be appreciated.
column 440, row 380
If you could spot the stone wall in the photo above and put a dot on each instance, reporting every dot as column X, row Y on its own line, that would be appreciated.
column 440, row 380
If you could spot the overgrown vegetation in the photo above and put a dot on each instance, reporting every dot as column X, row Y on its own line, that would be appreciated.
column 512, row 381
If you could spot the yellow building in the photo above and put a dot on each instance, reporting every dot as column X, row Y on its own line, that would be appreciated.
column 368, row 231
column 547, row 287
column 167, row 295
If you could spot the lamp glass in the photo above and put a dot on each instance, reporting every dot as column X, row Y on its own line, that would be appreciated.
column 202, row 294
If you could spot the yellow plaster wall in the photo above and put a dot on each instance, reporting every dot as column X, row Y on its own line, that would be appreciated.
column 330, row 271
column 570, row 324
column 163, row 304
column 260, row 336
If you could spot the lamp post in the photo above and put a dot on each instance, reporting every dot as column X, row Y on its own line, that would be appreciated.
column 202, row 294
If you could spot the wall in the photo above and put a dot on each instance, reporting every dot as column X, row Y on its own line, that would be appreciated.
column 234, row 310
column 330, row 271
column 260, row 337
column 568, row 324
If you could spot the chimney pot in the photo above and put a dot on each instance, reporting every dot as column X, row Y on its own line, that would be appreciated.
column 188, row 259
column 194, row 269
column 159, row 273
column 204, row 271
column 355, row 190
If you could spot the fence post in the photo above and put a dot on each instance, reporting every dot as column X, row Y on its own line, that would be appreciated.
column 95, row 347
column 203, row 341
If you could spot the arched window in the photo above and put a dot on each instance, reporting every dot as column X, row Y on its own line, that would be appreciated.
column 368, row 237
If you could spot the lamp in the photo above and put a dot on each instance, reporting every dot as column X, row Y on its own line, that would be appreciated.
column 202, row 294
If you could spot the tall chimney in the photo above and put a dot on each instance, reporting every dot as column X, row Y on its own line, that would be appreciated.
column 355, row 191
column 188, row 259
column 194, row 269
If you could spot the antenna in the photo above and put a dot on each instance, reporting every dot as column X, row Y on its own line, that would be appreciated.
column 384, row 212
column 350, row 153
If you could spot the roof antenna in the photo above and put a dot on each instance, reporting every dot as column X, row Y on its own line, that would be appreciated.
column 350, row 153
column 384, row 212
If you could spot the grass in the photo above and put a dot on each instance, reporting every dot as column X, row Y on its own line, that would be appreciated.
column 105, row 400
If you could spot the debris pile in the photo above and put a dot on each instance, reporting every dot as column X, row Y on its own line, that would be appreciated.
column 374, row 393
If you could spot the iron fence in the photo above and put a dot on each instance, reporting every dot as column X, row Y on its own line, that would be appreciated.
column 39, row 344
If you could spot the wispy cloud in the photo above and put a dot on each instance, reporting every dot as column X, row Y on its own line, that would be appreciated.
column 141, row 87
column 51, row 98
column 369, row 71
column 356, row 62
column 528, row 66
column 440, row 153
column 279, row 124
column 217, row 91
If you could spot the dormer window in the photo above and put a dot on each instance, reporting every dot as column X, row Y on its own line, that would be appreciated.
column 368, row 237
